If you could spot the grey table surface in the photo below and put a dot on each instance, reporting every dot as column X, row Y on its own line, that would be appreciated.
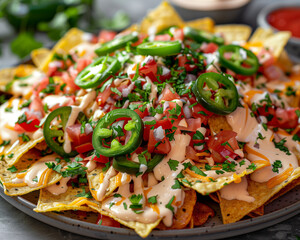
column 16, row 225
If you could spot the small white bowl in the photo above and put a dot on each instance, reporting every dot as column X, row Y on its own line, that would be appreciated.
column 293, row 45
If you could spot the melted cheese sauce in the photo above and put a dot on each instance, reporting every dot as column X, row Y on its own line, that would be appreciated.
column 237, row 191
column 248, row 130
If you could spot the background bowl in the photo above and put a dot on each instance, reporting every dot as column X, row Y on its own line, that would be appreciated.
column 221, row 11
column 293, row 46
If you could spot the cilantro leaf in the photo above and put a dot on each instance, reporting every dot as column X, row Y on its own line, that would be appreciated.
column 173, row 164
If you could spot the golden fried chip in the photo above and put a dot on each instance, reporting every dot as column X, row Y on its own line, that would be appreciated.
column 277, row 42
column 260, row 35
column 160, row 18
column 65, row 201
column 201, row 214
column 184, row 214
column 10, row 176
column 71, row 39
column 142, row 229
column 234, row 210
column 234, row 32
column 39, row 56
column 206, row 24
column 257, row 212
column 14, row 153
column 218, row 123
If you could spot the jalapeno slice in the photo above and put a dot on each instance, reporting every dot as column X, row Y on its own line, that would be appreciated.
column 241, row 61
column 159, row 48
column 97, row 72
column 116, row 43
column 202, row 36
column 103, row 134
column 54, row 135
column 216, row 93
column 122, row 164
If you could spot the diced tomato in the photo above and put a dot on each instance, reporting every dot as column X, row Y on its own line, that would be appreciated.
column 78, row 138
column 36, row 105
column 168, row 95
column 191, row 153
column 209, row 47
column 178, row 34
column 163, row 148
column 103, row 96
column 140, row 113
column 165, row 75
column 106, row 35
column 30, row 124
column 163, row 37
column 273, row 73
column 223, row 145
column 142, row 36
column 54, row 67
column 82, row 63
column 265, row 58
column 84, row 147
column 150, row 67
column 100, row 159
column 287, row 118
column 107, row 221
column 270, row 114
column 183, row 61
column 164, row 123
column 198, row 111
column 192, row 124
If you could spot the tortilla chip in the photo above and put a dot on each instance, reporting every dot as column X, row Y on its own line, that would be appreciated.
column 257, row 212
column 184, row 214
column 39, row 56
column 94, row 182
column 201, row 214
column 277, row 42
column 234, row 32
column 160, row 18
column 260, row 35
column 7, row 74
column 65, row 201
column 142, row 229
column 25, row 162
column 19, row 150
column 218, row 123
column 206, row 24
column 234, row 210
column 71, row 39
column 206, row 188
column 214, row 197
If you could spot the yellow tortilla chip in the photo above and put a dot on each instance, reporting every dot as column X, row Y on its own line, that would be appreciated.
column 7, row 74
column 94, row 181
column 218, row 123
column 277, row 42
column 71, row 39
column 7, row 174
column 65, row 201
column 260, row 35
column 207, row 187
column 234, row 210
column 160, row 18
column 39, row 56
column 234, row 32
column 206, row 24
column 13, row 154
column 141, row 229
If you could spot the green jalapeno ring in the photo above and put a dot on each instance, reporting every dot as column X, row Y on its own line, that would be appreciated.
column 216, row 105
column 49, row 134
column 159, row 48
column 88, row 79
column 117, row 149
column 122, row 164
column 235, row 64
column 116, row 43
column 202, row 36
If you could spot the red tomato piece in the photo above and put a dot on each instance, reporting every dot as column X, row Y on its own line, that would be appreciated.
column 142, row 36
column 107, row 221
column 30, row 124
column 84, row 147
column 140, row 113
column 106, row 35
column 163, row 148
column 100, row 159
column 178, row 34
column 78, row 138
column 163, row 37
column 209, row 47
column 287, row 118
column 103, row 96
column 168, row 95
column 183, row 61
column 192, row 124
column 150, row 66
column 164, row 123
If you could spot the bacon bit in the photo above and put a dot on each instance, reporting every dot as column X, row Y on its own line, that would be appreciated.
column 119, row 202
column 274, row 181
column 195, row 175
column 250, row 94
column 203, row 154
column 252, row 151
column 272, row 137
column 101, row 177
column 11, row 185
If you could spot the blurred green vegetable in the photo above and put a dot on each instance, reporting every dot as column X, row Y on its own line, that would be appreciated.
column 119, row 21
column 24, row 44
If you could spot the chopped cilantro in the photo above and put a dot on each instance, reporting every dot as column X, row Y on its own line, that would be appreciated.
column 4, row 143
column 12, row 169
column 277, row 164
column 84, row 194
column 152, row 199
column 176, row 185
column 173, row 164
column 281, row 147
column 169, row 204
column 197, row 171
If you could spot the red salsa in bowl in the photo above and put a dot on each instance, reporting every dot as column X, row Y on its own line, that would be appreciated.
column 286, row 19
